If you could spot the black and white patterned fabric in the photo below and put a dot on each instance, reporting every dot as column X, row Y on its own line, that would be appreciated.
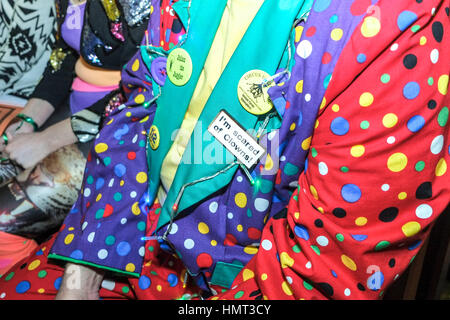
column 27, row 34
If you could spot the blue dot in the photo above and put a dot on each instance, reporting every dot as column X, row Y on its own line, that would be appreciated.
column 57, row 283
column 359, row 237
column 280, row 105
column 411, row 90
column 321, row 5
column 23, row 287
column 123, row 248
column 99, row 183
column 415, row 123
column 120, row 170
column 40, row 253
column 415, row 245
column 334, row 19
column 77, row 255
column 300, row 119
column 333, row 273
column 361, row 58
column 351, row 193
column 339, row 126
column 326, row 81
column 172, row 279
column 144, row 282
column 375, row 281
column 301, row 231
column 405, row 19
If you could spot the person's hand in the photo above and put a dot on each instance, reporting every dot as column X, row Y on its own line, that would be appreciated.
column 28, row 149
column 80, row 283
column 15, row 129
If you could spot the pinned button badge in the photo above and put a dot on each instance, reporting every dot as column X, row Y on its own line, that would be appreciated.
column 179, row 67
column 153, row 137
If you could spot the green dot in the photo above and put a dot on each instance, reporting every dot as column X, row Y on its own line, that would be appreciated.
column 158, row 211
column 364, row 124
column 290, row 169
column 9, row 276
column 316, row 249
column 121, row 142
column 430, row 81
column 313, row 152
column 42, row 274
column 420, row 166
column 107, row 161
column 151, row 248
column 90, row 180
column 307, row 285
column 296, row 248
column 142, row 143
column 117, row 196
column 443, row 117
column 239, row 294
column 385, row 78
column 141, row 225
column 125, row 289
column 382, row 245
column 340, row 237
column 249, row 213
column 99, row 213
column 110, row 240
column 415, row 28
column 344, row 169
column 334, row 19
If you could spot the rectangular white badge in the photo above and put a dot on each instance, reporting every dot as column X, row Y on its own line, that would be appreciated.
column 235, row 139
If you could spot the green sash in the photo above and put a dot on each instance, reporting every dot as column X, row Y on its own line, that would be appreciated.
column 262, row 47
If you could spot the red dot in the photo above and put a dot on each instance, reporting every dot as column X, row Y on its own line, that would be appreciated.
column 230, row 240
column 311, row 31
column 359, row 7
column 254, row 234
column 131, row 155
column 204, row 260
column 108, row 211
column 288, row 104
column 326, row 58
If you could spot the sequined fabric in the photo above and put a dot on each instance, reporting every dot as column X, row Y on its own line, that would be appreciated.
column 135, row 11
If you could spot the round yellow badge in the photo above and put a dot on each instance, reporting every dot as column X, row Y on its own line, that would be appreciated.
column 179, row 67
column 252, row 92
column 153, row 137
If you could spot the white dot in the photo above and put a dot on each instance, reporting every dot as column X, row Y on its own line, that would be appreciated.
column 189, row 244
column 307, row 97
column 213, row 207
column 323, row 168
column 394, row 47
column 308, row 265
column 230, row 215
column 434, row 56
column 133, row 194
column 322, row 241
column 87, row 192
column 385, row 187
column 111, row 183
column 91, row 236
column 239, row 179
column 108, row 284
column 123, row 220
column 424, row 211
column 283, row 158
column 289, row 280
column 390, row 140
column 142, row 251
column 2, row 295
column 266, row 244
column 437, row 144
column 261, row 204
column 347, row 292
column 304, row 49
column 102, row 254
column 84, row 225
column 174, row 228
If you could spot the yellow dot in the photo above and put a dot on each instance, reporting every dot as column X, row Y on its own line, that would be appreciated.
column 239, row 227
column 366, row 99
column 135, row 209
column 110, row 121
column 264, row 277
column 306, row 143
column 248, row 274
column 141, row 177
column 130, row 267
column 298, row 33
column 297, row 215
column 135, row 66
column 370, row 27
column 349, row 263
column 269, row 163
column 361, row 221
column 101, row 147
column 323, row 103
column 128, row 114
column 71, row 229
column 443, row 84
column 402, row 195
column 286, row 260
column 122, row 182
column 140, row 99
column 69, row 238
column 251, row 250
column 203, row 228
column 336, row 34
column 441, row 168
column 357, row 151
column 286, row 288
column 335, row 108
column 299, row 86
column 314, row 192
column 34, row 265
column 423, row 40
column 292, row 127
column 411, row 228
column 397, row 162
column 320, row 209
column 99, row 196
column 316, row 124
column 159, row 288
column 390, row 120
column 213, row 243
column 240, row 199
column 41, row 290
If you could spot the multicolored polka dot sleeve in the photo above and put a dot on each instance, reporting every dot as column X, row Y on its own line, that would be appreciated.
column 377, row 171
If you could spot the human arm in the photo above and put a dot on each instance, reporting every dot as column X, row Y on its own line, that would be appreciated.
column 80, row 283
